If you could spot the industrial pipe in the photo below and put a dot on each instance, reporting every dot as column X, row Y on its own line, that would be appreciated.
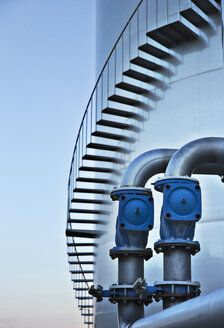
column 143, row 167
column 152, row 162
column 131, row 266
column 182, row 209
column 205, row 150
column 135, row 220
column 204, row 311
column 139, row 171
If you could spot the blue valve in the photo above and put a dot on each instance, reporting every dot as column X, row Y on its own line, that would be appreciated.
column 181, row 207
column 135, row 216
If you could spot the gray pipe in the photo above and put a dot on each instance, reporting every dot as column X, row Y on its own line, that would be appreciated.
column 200, row 151
column 176, row 267
column 206, row 154
column 204, row 311
column 131, row 267
column 143, row 167
column 139, row 171
column 152, row 162
column 137, row 174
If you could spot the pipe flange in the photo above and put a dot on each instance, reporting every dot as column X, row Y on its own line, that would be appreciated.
column 162, row 245
column 161, row 182
column 177, row 289
column 118, row 192
column 126, row 293
column 117, row 252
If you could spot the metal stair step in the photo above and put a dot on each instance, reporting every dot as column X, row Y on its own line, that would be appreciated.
column 88, row 322
column 93, row 191
column 90, row 201
column 123, row 113
column 80, row 289
column 82, row 280
column 83, row 233
column 87, row 314
column 90, row 157
column 81, row 244
column 114, row 136
column 208, row 6
column 153, row 64
column 81, row 271
column 129, row 94
column 119, row 125
column 86, row 306
column 114, row 148
column 124, row 100
column 131, row 87
column 99, row 169
column 195, row 15
column 175, row 32
column 81, row 262
column 95, row 180
column 81, row 254
column 87, row 211
column 143, row 74
column 86, row 221
column 156, row 49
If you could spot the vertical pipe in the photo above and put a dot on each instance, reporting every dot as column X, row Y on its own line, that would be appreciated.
column 176, row 267
column 177, row 264
column 130, row 268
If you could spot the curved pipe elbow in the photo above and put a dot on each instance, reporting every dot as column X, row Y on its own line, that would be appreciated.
column 191, row 158
column 142, row 168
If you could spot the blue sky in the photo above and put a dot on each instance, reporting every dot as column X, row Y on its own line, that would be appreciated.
column 46, row 77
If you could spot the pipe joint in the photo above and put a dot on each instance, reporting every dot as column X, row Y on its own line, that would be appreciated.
column 163, row 246
column 139, row 292
column 172, row 290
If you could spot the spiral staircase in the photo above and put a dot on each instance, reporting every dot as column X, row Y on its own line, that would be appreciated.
column 141, row 63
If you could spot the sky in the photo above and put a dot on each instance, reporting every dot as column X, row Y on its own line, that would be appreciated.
column 46, row 77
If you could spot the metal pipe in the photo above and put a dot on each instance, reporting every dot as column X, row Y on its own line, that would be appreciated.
column 205, row 150
column 139, row 171
column 137, row 174
column 129, row 312
column 204, row 155
column 175, row 263
column 143, row 167
column 152, row 162
column 130, row 268
column 204, row 311
column 177, row 267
